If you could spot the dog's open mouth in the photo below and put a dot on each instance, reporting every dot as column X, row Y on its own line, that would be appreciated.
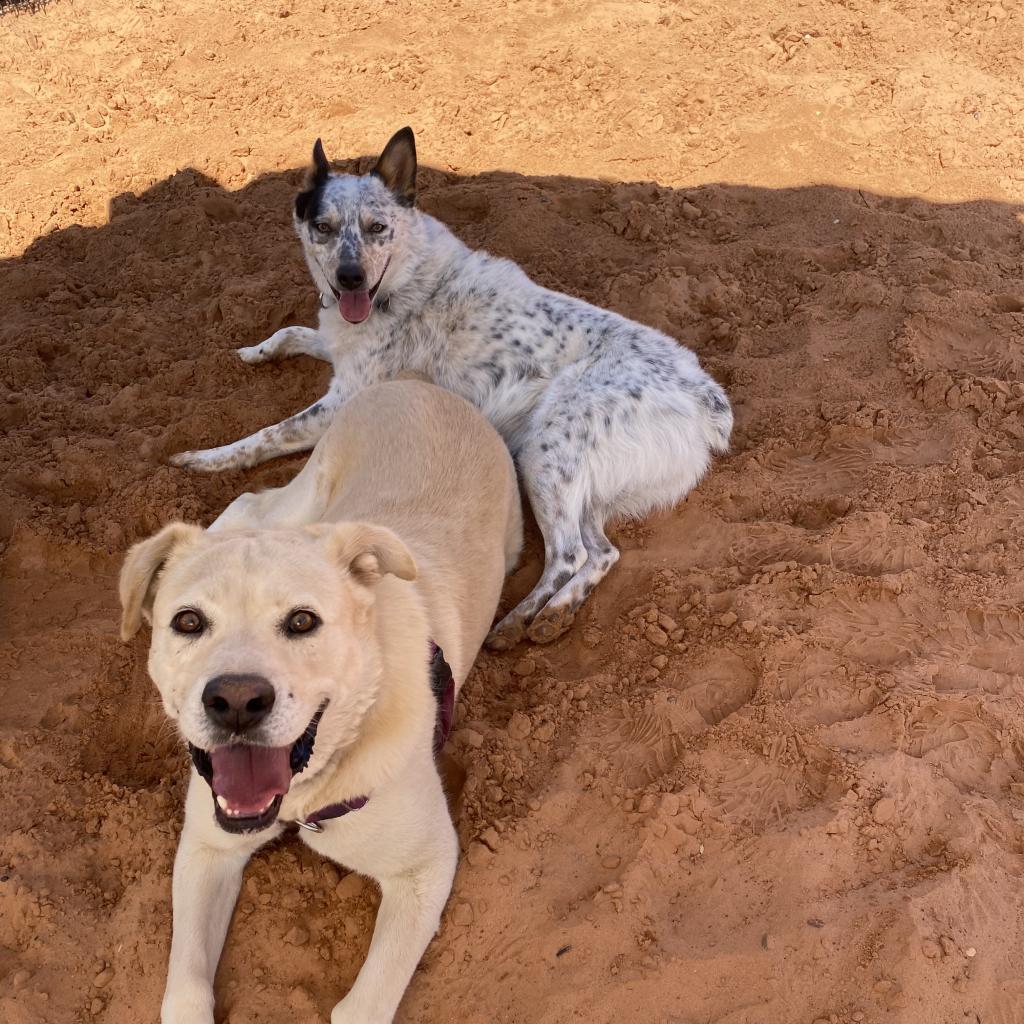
column 249, row 781
column 355, row 306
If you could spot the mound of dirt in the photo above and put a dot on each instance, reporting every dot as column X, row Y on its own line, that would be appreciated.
column 775, row 773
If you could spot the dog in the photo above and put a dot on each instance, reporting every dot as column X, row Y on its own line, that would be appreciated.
column 604, row 416
column 291, row 644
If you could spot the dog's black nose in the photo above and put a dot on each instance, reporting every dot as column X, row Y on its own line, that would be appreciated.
column 350, row 277
column 238, row 702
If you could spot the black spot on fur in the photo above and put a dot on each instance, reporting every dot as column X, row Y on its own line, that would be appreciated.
column 307, row 204
column 321, row 166
column 714, row 400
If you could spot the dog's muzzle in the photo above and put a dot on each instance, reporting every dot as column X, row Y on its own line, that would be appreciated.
column 249, row 781
column 356, row 304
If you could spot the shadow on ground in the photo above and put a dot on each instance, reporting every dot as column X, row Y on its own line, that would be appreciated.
column 871, row 346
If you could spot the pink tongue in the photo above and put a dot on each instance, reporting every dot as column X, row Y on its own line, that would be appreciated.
column 355, row 306
column 250, row 777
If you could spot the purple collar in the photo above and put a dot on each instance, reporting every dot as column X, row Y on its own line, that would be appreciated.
column 442, row 685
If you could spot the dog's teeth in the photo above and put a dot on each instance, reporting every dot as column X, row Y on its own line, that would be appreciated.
column 235, row 812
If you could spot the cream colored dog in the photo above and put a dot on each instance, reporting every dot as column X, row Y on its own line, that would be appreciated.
column 291, row 643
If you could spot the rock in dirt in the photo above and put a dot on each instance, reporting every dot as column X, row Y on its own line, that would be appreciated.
column 519, row 726
column 462, row 914
column 544, row 732
column 657, row 636
column 479, row 855
column 884, row 810
column 351, row 885
column 469, row 738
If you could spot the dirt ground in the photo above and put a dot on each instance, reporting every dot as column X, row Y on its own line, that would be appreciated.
column 775, row 773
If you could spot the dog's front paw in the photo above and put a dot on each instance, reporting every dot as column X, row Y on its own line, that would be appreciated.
column 212, row 460
column 187, row 1004
column 252, row 354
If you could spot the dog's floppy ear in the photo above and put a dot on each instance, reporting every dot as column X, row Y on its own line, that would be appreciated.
column 315, row 179
column 141, row 568
column 369, row 552
column 396, row 166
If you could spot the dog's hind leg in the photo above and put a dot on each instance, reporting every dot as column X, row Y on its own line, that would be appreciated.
column 298, row 433
column 285, row 343
column 552, row 481
column 558, row 614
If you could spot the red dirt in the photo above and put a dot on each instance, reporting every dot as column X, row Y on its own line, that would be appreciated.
column 775, row 773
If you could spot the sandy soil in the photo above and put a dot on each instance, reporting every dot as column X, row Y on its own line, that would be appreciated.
column 775, row 774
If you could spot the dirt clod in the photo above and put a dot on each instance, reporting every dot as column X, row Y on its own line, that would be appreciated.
column 884, row 810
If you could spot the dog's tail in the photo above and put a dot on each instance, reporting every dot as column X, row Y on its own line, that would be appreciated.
column 719, row 415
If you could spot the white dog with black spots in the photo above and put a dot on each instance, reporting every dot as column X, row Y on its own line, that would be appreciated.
column 604, row 416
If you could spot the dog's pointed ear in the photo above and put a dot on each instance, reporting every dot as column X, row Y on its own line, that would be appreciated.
column 141, row 569
column 316, row 178
column 321, row 166
column 369, row 552
column 396, row 166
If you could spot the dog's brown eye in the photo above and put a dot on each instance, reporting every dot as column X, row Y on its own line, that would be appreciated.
column 376, row 228
column 301, row 622
column 323, row 227
column 188, row 622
